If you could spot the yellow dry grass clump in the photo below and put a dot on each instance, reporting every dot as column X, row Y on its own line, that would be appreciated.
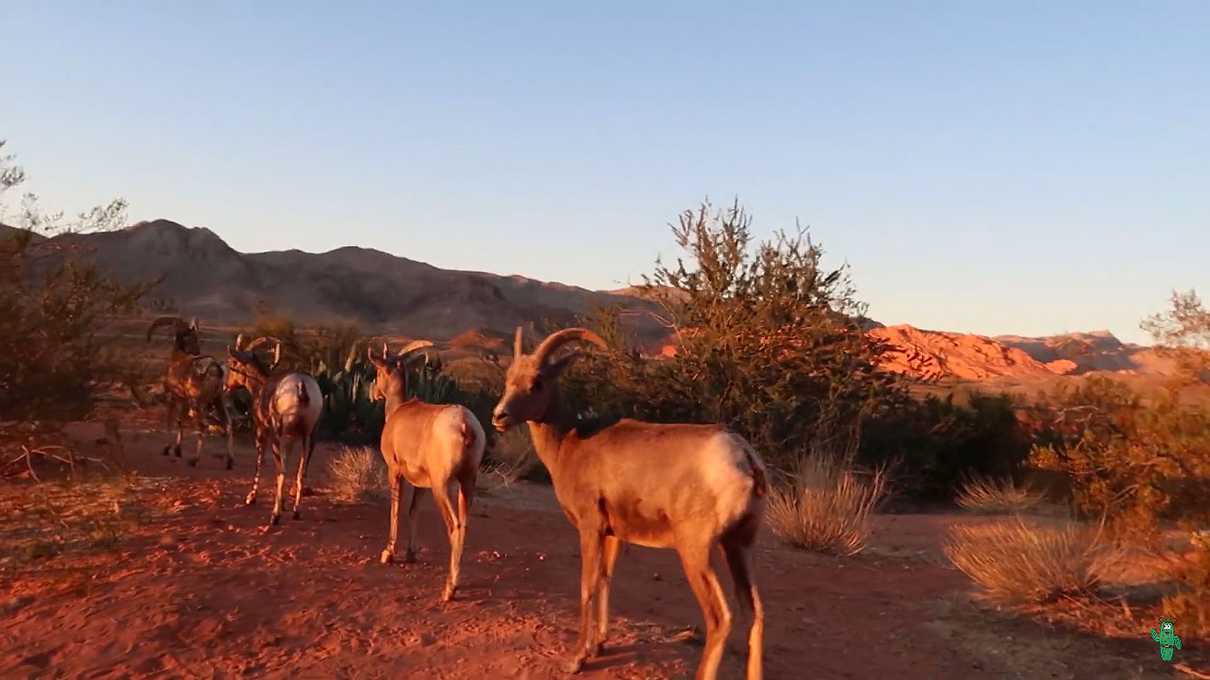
column 1020, row 563
column 512, row 458
column 358, row 475
column 996, row 496
column 826, row 507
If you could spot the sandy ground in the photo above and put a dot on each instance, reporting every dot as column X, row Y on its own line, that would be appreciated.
column 196, row 589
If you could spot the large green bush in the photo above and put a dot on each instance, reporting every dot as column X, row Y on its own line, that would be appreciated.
column 934, row 443
column 769, row 343
column 773, row 345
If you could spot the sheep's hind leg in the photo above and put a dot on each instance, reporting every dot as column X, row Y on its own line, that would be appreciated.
column 280, row 456
column 409, row 554
column 388, row 553
column 304, row 458
column 260, row 457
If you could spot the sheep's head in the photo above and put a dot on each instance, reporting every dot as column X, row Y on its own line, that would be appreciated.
column 391, row 376
column 529, row 386
column 185, row 335
column 244, row 368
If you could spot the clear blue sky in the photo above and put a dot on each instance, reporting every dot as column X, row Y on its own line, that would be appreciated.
column 1014, row 167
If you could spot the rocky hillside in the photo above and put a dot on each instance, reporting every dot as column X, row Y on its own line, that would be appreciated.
column 938, row 355
column 203, row 276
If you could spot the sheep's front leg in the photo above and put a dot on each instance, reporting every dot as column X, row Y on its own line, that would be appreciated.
column 199, row 422
column 591, row 541
column 612, row 546
column 229, row 415
column 174, row 416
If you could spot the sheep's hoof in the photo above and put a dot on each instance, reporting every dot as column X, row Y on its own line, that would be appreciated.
column 448, row 593
column 575, row 665
column 165, row 451
column 409, row 557
column 276, row 519
column 230, row 463
column 192, row 462
column 177, row 451
column 598, row 650
column 297, row 515
column 386, row 557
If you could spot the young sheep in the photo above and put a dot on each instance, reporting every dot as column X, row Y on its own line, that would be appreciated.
column 285, row 409
column 686, row 487
column 193, row 384
column 429, row 446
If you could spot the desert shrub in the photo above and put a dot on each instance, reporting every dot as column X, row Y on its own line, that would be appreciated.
column 358, row 475
column 996, row 495
column 1185, row 324
column 769, row 343
column 1136, row 460
column 934, row 443
column 1190, row 604
column 54, row 354
column 1020, row 563
column 826, row 506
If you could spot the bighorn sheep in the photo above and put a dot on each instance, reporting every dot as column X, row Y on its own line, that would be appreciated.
column 687, row 487
column 193, row 383
column 426, row 446
column 285, row 409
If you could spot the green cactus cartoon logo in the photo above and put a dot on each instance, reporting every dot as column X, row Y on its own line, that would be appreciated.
column 1168, row 639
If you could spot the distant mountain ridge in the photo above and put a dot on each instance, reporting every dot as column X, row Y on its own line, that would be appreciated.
column 203, row 276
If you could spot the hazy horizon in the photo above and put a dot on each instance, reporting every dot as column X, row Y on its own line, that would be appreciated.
column 1030, row 170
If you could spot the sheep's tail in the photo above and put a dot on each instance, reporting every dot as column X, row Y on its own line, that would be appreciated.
column 473, row 438
column 304, row 397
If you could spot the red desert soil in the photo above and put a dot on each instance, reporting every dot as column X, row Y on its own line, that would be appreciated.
column 198, row 590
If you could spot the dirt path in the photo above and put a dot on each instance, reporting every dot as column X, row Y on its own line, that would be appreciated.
column 198, row 590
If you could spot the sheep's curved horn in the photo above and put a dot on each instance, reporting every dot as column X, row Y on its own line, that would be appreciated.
column 517, row 340
column 263, row 340
column 165, row 321
column 556, row 340
column 276, row 354
column 412, row 347
column 386, row 355
column 239, row 341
